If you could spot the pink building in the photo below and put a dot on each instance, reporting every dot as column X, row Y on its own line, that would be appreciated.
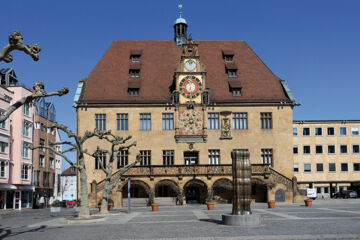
column 16, row 160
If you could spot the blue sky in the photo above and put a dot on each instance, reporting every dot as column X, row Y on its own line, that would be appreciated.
column 313, row 45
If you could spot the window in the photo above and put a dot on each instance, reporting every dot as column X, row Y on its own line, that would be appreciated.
column 133, row 92
column 26, row 128
column 41, row 161
column 332, row 167
column 355, row 131
column 168, row 121
column 318, row 190
column 26, row 109
column 25, row 150
column 306, row 131
column 231, row 72
column 319, row 167
column 42, row 144
column 295, row 150
column 214, row 157
column 307, row 167
column 213, row 120
column 295, row 131
column 356, row 167
column 24, row 172
column 228, row 58
column 122, row 158
column 101, row 158
column 2, row 168
column 343, row 148
column 344, row 167
column 51, row 161
column 3, row 147
column 267, row 156
column 319, row 149
column 240, row 121
column 236, row 92
column 46, row 179
column 145, row 121
column 296, row 167
column 134, row 73
column 37, row 178
column 356, row 149
column 331, row 149
column 342, row 131
column 266, row 120
column 306, row 150
column 135, row 58
column 168, row 157
column 122, row 121
column 100, row 121
column 330, row 131
column 145, row 157
column 3, row 123
column 326, row 189
column 318, row 131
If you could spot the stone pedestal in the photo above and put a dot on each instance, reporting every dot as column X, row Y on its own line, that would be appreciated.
column 241, row 220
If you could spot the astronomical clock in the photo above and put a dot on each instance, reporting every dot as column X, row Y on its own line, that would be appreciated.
column 190, row 97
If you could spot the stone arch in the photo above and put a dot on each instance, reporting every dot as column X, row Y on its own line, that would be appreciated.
column 196, row 191
column 169, row 188
column 222, row 191
column 259, row 190
column 138, row 189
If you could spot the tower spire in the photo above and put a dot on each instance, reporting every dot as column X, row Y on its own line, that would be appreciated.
column 180, row 28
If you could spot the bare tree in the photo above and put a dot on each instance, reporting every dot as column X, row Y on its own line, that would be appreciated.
column 118, row 144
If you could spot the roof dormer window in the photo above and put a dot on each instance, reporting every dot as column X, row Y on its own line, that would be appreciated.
column 134, row 73
column 228, row 58
column 231, row 72
column 135, row 58
column 236, row 92
column 133, row 92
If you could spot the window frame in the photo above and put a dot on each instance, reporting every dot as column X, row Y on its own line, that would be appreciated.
column 214, row 156
column 317, row 132
column 340, row 133
column 240, row 120
column 122, row 120
column 322, row 166
column 304, row 131
column 341, row 149
column 267, row 156
column 304, row 149
column 213, row 121
column 168, row 157
column 100, row 121
column 331, row 145
column 327, row 131
column 343, row 164
column 305, row 170
column 316, row 149
column 329, row 167
column 145, row 121
column 167, row 121
column 266, row 120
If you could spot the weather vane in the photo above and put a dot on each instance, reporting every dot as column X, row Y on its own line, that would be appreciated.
column 180, row 9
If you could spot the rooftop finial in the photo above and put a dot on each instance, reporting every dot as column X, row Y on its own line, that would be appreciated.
column 180, row 10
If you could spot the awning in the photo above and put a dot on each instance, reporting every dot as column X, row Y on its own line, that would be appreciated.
column 7, row 186
column 26, row 187
column 234, row 83
column 227, row 52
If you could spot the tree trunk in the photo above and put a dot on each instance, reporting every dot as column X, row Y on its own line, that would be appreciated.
column 84, row 208
column 106, row 191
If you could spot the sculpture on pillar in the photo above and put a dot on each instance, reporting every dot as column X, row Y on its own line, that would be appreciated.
column 241, row 169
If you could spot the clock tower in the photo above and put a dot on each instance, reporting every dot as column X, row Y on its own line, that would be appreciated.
column 190, row 96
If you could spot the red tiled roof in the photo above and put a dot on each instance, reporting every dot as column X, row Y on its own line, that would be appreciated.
column 71, row 171
column 109, row 80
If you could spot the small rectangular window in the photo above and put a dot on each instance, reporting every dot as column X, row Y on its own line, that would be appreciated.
column 168, row 157
column 343, row 149
column 240, row 121
column 330, row 131
column 134, row 73
column 122, row 121
column 331, row 149
column 354, row 131
column 122, row 158
column 319, row 149
column 332, row 167
column 228, row 58
column 145, row 157
column 100, row 159
column 145, row 121
column 266, row 120
column 236, row 92
column 214, row 157
column 326, row 189
column 356, row 149
column 41, row 161
column 26, row 109
column 25, row 172
column 295, row 131
column 342, row 131
column 100, row 121
column 267, row 157
column 306, row 131
column 307, row 167
column 319, row 167
column 133, row 92
column 295, row 150
column 3, row 147
column 344, row 167
column 356, row 167
column 296, row 167
column 213, row 120
column 318, row 131
column 2, row 168
column 231, row 72
column 168, row 121
column 306, row 149
column 135, row 58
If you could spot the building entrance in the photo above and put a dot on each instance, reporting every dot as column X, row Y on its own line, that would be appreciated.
column 192, row 195
column 191, row 158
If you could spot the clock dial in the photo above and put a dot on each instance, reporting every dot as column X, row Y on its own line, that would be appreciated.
column 190, row 87
column 190, row 65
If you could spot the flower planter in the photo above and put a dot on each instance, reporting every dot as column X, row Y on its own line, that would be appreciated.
column 155, row 207
column 110, row 206
column 210, row 205
column 55, row 209
column 271, row 204
column 308, row 202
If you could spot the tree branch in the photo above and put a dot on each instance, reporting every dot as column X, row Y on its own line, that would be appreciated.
column 124, row 170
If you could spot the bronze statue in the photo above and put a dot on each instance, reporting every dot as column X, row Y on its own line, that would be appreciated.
column 241, row 168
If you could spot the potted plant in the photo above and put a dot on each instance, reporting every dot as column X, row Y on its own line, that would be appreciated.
column 78, row 204
column 271, row 204
column 55, row 206
column 308, row 202
column 110, row 204
column 155, row 207
column 209, row 203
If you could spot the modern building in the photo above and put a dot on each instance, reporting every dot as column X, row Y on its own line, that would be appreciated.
column 326, row 154
column 68, row 184
column 188, row 104
column 44, row 159
column 16, row 134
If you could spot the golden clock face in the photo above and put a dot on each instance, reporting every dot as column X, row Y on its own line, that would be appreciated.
column 190, row 87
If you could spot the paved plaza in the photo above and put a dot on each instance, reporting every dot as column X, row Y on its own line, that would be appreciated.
column 326, row 219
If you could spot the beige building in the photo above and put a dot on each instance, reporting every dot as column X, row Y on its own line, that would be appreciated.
column 326, row 154
column 188, row 104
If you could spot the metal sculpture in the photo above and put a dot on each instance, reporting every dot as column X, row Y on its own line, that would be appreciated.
column 241, row 169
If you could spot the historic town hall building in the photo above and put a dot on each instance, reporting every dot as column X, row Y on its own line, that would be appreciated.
column 188, row 104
